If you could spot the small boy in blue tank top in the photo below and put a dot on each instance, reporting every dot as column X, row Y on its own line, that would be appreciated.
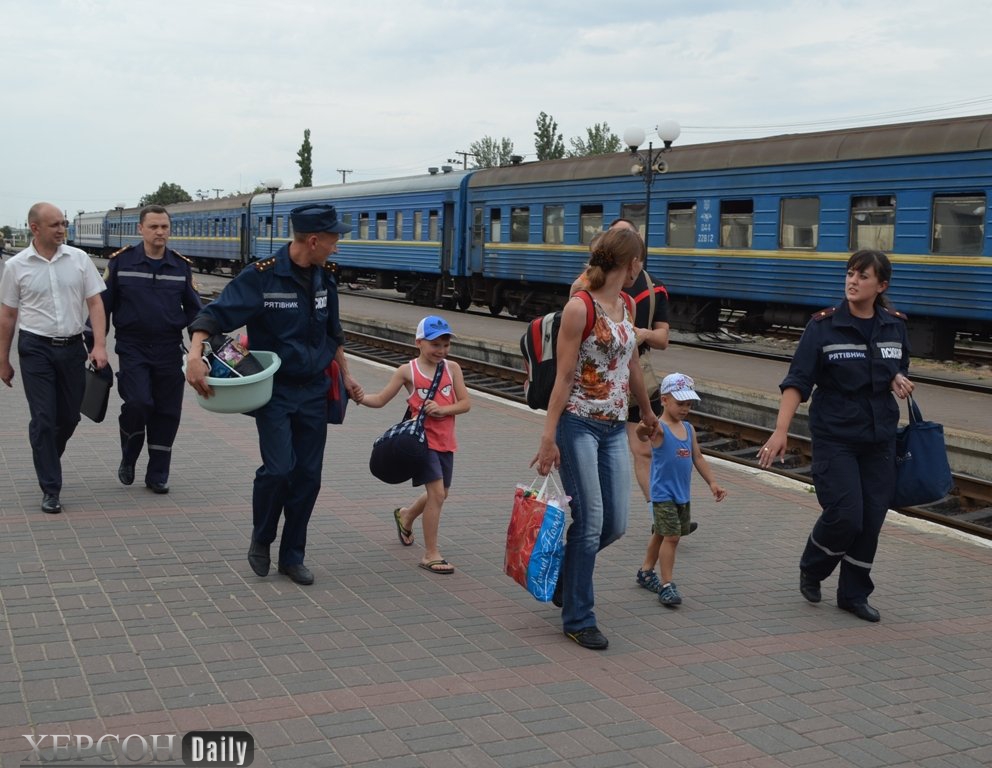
column 674, row 452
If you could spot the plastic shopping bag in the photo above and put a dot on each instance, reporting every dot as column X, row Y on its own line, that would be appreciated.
column 535, row 538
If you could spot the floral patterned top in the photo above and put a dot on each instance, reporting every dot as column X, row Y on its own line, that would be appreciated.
column 601, row 386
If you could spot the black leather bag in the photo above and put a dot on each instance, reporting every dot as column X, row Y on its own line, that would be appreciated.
column 401, row 450
column 97, row 393
column 923, row 474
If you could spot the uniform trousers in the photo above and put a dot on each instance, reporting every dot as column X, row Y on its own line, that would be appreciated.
column 151, row 384
column 54, row 383
column 292, row 431
column 854, row 484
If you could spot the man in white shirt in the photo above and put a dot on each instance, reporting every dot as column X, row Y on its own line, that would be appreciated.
column 45, row 292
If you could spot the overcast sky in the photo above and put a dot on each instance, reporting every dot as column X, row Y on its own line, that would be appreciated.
column 106, row 99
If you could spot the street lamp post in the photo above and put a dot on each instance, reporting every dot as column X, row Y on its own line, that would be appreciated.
column 120, row 224
column 272, row 186
column 650, row 163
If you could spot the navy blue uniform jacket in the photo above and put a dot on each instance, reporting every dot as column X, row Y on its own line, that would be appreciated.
column 150, row 300
column 287, row 310
column 853, row 400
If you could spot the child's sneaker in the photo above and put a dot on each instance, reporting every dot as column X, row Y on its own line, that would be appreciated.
column 648, row 580
column 669, row 595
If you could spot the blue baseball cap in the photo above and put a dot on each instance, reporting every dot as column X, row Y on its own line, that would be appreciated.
column 433, row 326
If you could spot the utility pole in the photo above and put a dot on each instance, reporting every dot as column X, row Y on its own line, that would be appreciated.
column 465, row 157
column 344, row 172
column 217, row 191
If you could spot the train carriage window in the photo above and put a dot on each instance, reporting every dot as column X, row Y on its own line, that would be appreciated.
column 477, row 233
column 873, row 223
column 958, row 224
column 590, row 222
column 519, row 225
column 432, row 231
column 799, row 222
column 363, row 226
column 398, row 225
column 279, row 232
column 345, row 219
column 736, row 223
column 418, row 225
column 496, row 225
column 634, row 213
column 554, row 224
column 681, row 224
column 381, row 222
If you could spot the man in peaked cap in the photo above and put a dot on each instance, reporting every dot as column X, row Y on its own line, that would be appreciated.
column 289, row 303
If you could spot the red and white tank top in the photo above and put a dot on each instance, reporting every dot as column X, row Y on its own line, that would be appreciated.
column 440, row 432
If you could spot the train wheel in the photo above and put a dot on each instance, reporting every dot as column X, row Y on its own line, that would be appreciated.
column 495, row 309
column 448, row 303
column 464, row 302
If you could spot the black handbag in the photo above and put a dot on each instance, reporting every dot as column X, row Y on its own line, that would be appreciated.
column 923, row 474
column 401, row 450
column 97, row 392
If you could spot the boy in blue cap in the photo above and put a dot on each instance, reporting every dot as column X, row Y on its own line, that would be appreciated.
column 674, row 452
column 434, row 342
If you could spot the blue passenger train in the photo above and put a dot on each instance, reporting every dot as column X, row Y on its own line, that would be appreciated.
column 759, row 228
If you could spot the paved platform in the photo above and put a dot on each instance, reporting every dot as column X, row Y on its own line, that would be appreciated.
column 133, row 613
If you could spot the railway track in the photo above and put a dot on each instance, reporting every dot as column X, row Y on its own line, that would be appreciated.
column 968, row 508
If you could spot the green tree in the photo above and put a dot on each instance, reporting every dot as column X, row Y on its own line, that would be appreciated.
column 304, row 159
column 8, row 233
column 600, row 140
column 547, row 140
column 490, row 152
column 167, row 194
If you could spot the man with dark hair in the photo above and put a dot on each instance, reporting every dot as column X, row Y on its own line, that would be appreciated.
column 289, row 303
column 46, row 291
column 150, row 299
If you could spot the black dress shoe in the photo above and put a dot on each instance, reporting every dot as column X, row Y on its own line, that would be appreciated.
column 298, row 573
column 157, row 487
column 556, row 598
column 862, row 610
column 810, row 587
column 125, row 473
column 258, row 558
column 51, row 504
column 590, row 638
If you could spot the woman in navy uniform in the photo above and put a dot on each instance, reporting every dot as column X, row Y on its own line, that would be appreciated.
column 856, row 355
column 289, row 303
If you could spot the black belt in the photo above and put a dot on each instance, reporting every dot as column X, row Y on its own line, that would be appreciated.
column 55, row 341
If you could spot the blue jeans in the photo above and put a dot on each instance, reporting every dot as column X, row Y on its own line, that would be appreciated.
column 600, row 504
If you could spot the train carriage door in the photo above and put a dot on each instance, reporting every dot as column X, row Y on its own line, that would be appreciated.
column 477, row 251
column 447, row 237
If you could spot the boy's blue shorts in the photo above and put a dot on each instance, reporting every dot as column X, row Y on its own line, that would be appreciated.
column 439, row 466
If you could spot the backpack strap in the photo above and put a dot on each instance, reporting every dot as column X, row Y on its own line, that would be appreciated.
column 590, row 311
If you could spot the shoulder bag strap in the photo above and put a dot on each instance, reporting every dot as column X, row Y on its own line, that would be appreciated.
column 422, row 414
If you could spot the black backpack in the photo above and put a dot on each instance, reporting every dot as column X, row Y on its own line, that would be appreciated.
column 538, row 346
